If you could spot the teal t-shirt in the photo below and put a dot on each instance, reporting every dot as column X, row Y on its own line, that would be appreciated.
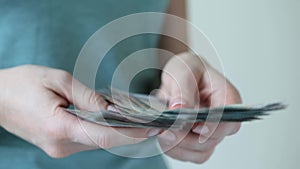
column 51, row 33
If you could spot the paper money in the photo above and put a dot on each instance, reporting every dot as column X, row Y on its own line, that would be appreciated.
column 143, row 111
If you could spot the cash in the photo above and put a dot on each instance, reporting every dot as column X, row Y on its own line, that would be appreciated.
column 143, row 111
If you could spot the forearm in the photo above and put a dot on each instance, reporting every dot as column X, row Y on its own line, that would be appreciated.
column 178, row 9
column 175, row 46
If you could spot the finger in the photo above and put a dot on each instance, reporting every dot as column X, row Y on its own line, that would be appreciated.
column 188, row 155
column 222, row 91
column 232, row 96
column 98, row 136
column 188, row 141
column 207, row 131
column 74, row 91
column 64, row 150
column 182, row 84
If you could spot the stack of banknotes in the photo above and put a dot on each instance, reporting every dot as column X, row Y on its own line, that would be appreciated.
column 144, row 111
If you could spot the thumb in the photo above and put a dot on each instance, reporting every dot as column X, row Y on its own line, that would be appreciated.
column 74, row 91
column 180, row 79
column 96, row 136
column 183, row 90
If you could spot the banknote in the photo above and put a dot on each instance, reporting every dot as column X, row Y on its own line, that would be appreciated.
column 147, row 111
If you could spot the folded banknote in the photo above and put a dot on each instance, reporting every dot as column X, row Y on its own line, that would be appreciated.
column 144, row 111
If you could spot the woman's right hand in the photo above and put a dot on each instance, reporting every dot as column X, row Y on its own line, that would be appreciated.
column 32, row 102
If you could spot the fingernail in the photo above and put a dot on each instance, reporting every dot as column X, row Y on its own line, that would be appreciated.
column 177, row 103
column 202, row 130
column 153, row 132
column 169, row 136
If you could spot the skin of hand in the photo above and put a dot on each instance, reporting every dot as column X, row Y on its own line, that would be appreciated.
column 187, row 82
column 32, row 102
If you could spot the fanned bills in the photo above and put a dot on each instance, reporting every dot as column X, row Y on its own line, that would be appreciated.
column 143, row 111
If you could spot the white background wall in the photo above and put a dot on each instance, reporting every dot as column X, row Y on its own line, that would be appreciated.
column 259, row 45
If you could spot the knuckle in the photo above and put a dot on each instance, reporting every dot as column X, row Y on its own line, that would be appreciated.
column 93, row 98
column 234, row 94
column 96, row 99
column 103, row 141
column 211, row 144
column 233, row 128
column 55, row 151
column 203, row 158
column 200, row 161
column 214, row 143
column 64, row 76
column 182, row 156
column 89, row 95
column 236, row 129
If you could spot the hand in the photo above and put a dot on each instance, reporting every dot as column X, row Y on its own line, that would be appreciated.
column 32, row 103
column 188, row 82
